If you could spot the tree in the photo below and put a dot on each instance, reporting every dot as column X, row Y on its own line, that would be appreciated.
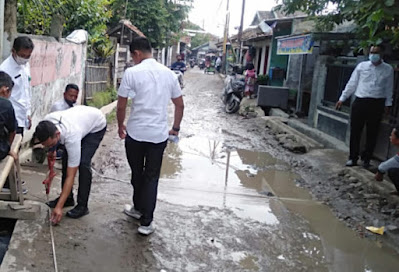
column 377, row 21
column 36, row 16
column 159, row 20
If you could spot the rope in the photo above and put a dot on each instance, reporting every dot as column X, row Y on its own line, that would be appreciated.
column 52, row 237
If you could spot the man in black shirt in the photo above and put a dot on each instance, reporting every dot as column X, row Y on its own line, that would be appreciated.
column 8, row 122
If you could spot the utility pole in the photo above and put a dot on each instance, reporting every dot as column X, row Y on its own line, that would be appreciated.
column 240, row 32
column 226, row 34
column 123, row 24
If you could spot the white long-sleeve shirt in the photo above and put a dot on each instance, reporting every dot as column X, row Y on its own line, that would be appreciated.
column 370, row 81
column 389, row 164
column 21, row 94
column 60, row 105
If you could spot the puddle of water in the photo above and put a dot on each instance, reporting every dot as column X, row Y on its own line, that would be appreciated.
column 197, row 168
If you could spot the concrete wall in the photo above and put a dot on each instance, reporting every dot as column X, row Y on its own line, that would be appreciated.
column 53, row 65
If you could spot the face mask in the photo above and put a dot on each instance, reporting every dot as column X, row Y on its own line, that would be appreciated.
column 374, row 58
column 20, row 60
column 69, row 102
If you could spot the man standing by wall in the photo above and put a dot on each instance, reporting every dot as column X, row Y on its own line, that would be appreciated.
column 372, row 84
column 17, row 66
column 71, row 94
column 151, row 86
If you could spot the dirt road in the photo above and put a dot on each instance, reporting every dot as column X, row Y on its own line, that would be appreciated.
column 253, row 217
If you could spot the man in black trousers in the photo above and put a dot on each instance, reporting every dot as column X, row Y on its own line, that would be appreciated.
column 372, row 84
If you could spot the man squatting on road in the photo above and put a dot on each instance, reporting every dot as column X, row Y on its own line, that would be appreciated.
column 391, row 166
column 151, row 86
column 80, row 129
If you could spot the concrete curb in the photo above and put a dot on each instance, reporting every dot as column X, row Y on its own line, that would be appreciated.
column 23, row 242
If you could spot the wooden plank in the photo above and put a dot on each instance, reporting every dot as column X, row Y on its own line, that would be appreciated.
column 7, row 163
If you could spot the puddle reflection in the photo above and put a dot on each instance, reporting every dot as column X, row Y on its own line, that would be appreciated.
column 197, row 168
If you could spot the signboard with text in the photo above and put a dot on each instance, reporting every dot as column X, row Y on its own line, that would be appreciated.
column 295, row 45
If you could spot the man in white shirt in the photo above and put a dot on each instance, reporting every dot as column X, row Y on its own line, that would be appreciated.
column 80, row 129
column 71, row 94
column 372, row 84
column 151, row 86
column 17, row 66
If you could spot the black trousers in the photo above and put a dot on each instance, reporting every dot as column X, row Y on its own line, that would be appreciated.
column 89, row 146
column 393, row 175
column 145, row 160
column 365, row 112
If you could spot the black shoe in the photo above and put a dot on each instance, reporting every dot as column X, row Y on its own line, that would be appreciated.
column 68, row 203
column 351, row 163
column 366, row 164
column 78, row 212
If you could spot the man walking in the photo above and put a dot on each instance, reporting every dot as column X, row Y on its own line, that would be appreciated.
column 80, row 129
column 372, row 83
column 17, row 66
column 151, row 86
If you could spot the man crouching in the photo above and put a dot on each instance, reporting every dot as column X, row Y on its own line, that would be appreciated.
column 80, row 129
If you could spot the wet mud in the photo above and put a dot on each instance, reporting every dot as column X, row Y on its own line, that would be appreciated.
column 230, row 198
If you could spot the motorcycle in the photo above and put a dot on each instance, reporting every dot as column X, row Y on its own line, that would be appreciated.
column 179, row 76
column 233, row 92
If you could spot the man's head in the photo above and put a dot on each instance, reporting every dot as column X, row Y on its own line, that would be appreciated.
column 178, row 57
column 6, row 85
column 71, row 94
column 22, row 49
column 140, row 48
column 376, row 54
column 47, row 134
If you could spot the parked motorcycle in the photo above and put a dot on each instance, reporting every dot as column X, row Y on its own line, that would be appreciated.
column 233, row 92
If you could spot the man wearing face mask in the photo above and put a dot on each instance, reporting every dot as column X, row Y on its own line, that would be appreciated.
column 17, row 66
column 70, row 96
column 372, row 84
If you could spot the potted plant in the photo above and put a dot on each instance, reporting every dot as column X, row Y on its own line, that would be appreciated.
column 261, row 80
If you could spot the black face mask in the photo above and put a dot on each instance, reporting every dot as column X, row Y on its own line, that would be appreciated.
column 69, row 102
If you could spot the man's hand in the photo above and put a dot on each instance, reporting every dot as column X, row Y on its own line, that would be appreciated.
column 387, row 110
column 30, row 122
column 338, row 105
column 13, row 154
column 56, row 215
column 379, row 176
column 122, row 132
column 173, row 132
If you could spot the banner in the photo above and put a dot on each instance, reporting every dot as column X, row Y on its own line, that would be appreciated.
column 295, row 45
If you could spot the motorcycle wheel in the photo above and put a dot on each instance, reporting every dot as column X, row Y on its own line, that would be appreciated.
column 232, row 107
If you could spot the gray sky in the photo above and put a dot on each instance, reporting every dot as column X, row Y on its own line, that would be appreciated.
column 211, row 14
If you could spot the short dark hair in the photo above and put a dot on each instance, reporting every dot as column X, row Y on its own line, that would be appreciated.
column 141, row 44
column 5, row 80
column 396, row 131
column 22, row 42
column 71, row 86
column 249, row 66
column 45, row 130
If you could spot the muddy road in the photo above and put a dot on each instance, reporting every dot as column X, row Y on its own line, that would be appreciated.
column 250, row 215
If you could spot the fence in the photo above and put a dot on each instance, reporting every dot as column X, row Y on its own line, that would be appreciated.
column 97, row 79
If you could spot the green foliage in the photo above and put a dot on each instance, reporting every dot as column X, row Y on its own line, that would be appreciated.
column 159, row 20
column 101, row 99
column 199, row 39
column 377, row 20
column 35, row 17
column 262, row 79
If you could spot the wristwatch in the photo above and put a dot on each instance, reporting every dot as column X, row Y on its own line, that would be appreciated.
column 176, row 129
